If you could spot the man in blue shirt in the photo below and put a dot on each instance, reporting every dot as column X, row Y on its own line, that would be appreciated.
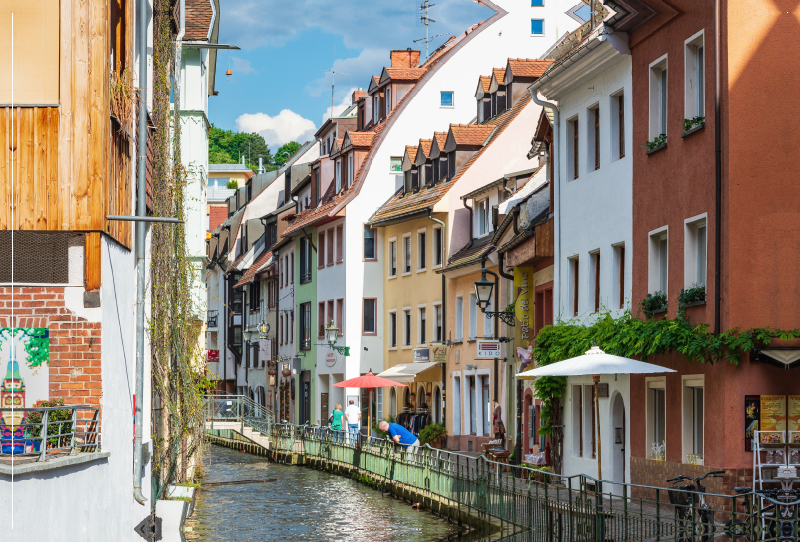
column 400, row 435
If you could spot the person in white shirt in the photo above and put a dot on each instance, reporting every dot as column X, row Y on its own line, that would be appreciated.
column 353, row 417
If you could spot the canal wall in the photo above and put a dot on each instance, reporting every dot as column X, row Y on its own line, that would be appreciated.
column 462, row 515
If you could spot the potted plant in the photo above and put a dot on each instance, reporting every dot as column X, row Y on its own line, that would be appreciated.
column 654, row 303
column 433, row 435
column 690, row 297
column 658, row 142
column 58, row 422
column 692, row 125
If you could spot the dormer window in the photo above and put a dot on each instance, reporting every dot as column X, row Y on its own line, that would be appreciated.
column 376, row 108
column 484, row 222
column 388, row 100
column 338, row 176
column 428, row 173
column 350, row 169
column 451, row 165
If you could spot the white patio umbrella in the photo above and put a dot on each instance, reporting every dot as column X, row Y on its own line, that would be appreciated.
column 594, row 362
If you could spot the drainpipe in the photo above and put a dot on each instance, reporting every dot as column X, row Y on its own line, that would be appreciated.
column 556, row 159
column 444, row 313
column 717, row 173
column 464, row 203
column 141, row 211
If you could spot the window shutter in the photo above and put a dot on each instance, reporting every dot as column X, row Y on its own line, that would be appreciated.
column 438, row 316
column 394, row 258
column 407, row 242
column 339, row 243
column 321, row 251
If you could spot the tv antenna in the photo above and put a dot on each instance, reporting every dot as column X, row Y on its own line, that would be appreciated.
column 426, row 20
column 333, row 77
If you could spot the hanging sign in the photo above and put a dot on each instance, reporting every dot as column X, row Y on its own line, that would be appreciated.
column 421, row 354
column 488, row 349
column 212, row 355
column 523, row 310
column 330, row 359
column 265, row 349
column 439, row 354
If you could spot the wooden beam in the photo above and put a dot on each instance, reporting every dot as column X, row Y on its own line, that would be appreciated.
column 93, row 262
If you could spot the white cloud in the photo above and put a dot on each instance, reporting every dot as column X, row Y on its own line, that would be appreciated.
column 241, row 65
column 346, row 102
column 284, row 127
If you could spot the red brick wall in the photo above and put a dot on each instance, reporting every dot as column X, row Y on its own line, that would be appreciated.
column 75, row 371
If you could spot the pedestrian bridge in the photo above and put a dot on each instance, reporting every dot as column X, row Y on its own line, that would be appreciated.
column 523, row 503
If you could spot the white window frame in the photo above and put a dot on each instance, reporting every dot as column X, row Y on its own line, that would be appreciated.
column 655, row 263
column 422, row 250
column 420, row 308
column 457, row 402
column 573, row 264
column 350, row 169
column 376, row 109
column 483, row 211
column 400, row 161
column 407, row 255
column 618, row 268
column 690, row 383
column 614, row 127
column 392, row 245
column 572, row 175
column 459, row 318
column 473, row 316
column 338, row 175
column 437, row 309
column 659, row 96
column 388, row 95
column 591, row 111
column 452, row 99
column 651, row 383
column 437, row 230
column 592, row 276
column 694, row 78
column 693, row 251
column 406, row 329
column 396, row 334
column 544, row 27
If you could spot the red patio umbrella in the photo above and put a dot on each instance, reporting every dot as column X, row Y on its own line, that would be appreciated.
column 369, row 381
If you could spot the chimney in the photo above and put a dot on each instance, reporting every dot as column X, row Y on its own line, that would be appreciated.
column 404, row 59
column 357, row 94
column 243, row 160
column 260, row 165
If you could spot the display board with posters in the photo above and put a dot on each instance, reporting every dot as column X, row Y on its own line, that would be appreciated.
column 776, row 416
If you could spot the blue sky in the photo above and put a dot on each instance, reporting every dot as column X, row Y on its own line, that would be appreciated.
column 279, row 85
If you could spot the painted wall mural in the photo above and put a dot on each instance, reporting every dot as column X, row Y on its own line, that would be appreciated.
column 25, row 364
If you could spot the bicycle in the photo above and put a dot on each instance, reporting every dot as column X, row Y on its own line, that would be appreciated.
column 778, row 520
column 694, row 518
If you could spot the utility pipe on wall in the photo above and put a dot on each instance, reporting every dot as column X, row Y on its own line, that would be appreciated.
column 444, row 313
column 717, row 173
column 141, row 148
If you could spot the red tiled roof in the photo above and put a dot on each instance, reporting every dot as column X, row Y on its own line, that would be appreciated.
column 198, row 20
column 236, row 262
column 471, row 134
column 424, row 147
column 405, row 74
column 526, row 67
column 216, row 216
column 485, row 81
column 250, row 274
column 411, row 150
column 310, row 216
column 499, row 74
column 441, row 139
column 401, row 204
column 361, row 139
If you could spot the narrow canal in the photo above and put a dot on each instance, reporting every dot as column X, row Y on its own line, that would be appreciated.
column 301, row 504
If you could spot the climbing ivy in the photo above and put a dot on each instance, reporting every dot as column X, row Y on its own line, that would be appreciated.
column 631, row 337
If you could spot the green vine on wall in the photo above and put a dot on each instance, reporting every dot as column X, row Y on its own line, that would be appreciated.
column 631, row 337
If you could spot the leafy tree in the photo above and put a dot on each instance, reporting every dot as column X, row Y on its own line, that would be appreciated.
column 233, row 183
column 227, row 146
column 286, row 151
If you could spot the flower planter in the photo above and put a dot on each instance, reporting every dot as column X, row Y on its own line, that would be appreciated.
column 695, row 303
column 651, row 151
column 693, row 129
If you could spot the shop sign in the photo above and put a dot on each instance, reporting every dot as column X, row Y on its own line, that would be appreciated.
column 264, row 349
column 421, row 354
column 212, row 355
column 439, row 354
column 775, row 414
column 488, row 349
column 330, row 359
column 523, row 309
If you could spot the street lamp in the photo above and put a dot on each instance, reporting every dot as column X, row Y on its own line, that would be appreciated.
column 483, row 290
column 332, row 333
column 483, row 293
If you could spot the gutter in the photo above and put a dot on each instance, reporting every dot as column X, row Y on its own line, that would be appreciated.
column 717, row 172
column 556, row 158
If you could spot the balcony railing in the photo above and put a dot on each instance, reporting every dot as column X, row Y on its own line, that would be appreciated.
column 211, row 320
column 43, row 433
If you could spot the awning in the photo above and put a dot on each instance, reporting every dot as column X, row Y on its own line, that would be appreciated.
column 408, row 371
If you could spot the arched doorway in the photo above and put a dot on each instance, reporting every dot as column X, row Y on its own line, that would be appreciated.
column 528, row 431
column 618, row 432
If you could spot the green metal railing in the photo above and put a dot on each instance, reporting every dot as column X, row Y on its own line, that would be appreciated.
column 548, row 507
column 239, row 409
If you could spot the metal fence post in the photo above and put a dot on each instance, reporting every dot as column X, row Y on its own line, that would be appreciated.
column 43, row 445
column 74, row 429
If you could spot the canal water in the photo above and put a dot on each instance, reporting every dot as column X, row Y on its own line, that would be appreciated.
column 301, row 504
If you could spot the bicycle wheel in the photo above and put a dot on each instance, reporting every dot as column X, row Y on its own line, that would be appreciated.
column 704, row 528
